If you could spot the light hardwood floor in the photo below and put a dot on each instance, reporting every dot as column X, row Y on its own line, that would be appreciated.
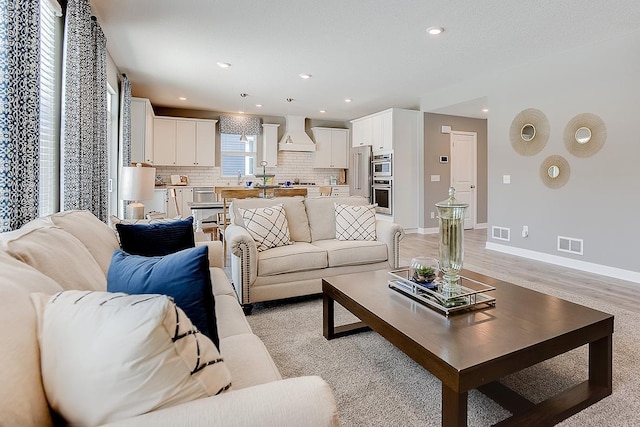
column 619, row 292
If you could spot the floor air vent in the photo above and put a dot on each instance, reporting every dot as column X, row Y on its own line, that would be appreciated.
column 501, row 233
column 571, row 245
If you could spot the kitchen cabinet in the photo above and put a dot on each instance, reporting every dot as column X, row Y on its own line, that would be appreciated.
column 270, row 144
column 184, row 142
column 340, row 190
column 362, row 132
column 331, row 148
column 141, row 130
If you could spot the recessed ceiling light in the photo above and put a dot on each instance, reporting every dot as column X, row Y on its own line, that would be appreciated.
column 223, row 64
column 259, row 105
column 304, row 76
column 182, row 98
column 323, row 111
column 348, row 100
column 485, row 110
column 434, row 31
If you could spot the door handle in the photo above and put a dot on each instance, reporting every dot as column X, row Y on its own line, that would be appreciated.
column 473, row 186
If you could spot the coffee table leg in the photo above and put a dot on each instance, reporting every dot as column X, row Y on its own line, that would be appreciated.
column 328, row 321
column 454, row 407
column 600, row 363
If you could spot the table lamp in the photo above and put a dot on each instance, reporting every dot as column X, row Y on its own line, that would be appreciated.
column 136, row 183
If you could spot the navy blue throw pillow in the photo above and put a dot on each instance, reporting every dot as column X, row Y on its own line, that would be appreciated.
column 157, row 239
column 183, row 275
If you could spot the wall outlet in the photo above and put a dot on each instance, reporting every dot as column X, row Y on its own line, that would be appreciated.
column 525, row 231
column 506, row 179
column 433, row 215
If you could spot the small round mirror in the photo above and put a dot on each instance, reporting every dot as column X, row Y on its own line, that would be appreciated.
column 583, row 135
column 553, row 171
column 528, row 132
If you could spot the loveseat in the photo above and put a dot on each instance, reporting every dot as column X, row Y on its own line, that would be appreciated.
column 72, row 250
column 297, row 269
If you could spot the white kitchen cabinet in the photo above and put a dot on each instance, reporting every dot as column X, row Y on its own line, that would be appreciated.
column 313, row 191
column 382, row 131
column 141, row 130
column 184, row 142
column 340, row 190
column 362, row 132
column 331, row 148
column 270, row 144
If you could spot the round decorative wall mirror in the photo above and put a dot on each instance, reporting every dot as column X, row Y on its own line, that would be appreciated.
column 528, row 132
column 555, row 171
column 583, row 135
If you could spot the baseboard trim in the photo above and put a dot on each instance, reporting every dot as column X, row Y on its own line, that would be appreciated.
column 481, row 226
column 618, row 273
column 434, row 230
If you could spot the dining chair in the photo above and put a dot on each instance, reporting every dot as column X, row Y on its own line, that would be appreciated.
column 325, row 190
column 227, row 197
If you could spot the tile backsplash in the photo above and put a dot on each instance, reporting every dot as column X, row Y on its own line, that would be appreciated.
column 291, row 165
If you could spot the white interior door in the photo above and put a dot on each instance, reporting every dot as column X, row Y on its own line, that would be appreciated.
column 464, row 172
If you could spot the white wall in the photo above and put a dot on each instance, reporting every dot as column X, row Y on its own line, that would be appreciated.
column 601, row 201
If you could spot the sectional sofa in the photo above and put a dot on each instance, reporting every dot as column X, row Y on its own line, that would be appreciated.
column 72, row 250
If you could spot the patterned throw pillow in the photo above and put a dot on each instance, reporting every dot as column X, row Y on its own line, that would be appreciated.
column 355, row 222
column 111, row 356
column 268, row 226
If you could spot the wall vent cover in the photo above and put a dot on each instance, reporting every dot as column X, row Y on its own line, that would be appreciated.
column 501, row 233
column 570, row 245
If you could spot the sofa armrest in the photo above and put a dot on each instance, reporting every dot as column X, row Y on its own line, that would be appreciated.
column 391, row 234
column 303, row 401
column 244, row 260
column 215, row 253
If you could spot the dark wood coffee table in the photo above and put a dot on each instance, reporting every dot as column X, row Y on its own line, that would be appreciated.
column 475, row 349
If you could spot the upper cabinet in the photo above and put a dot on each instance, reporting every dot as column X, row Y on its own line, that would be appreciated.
column 331, row 148
column 375, row 130
column 141, row 131
column 270, row 144
column 184, row 142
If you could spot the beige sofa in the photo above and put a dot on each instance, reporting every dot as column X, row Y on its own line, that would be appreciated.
column 298, row 269
column 44, row 256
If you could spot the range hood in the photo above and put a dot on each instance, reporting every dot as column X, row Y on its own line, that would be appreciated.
column 295, row 138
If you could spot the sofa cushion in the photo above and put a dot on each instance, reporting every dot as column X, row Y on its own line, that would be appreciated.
column 353, row 252
column 355, row 222
column 57, row 254
column 300, row 256
column 294, row 210
column 231, row 318
column 156, row 239
column 268, row 226
column 107, row 357
column 184, row 276
column 100, row 239
column 249, row 361
column 322, row 220
column 22, row 398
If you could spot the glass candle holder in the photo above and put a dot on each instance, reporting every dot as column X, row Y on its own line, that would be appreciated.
column 451, row 243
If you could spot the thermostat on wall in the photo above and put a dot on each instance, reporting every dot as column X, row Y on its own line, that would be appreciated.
column 444, row 159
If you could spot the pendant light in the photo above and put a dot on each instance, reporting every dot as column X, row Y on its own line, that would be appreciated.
column 289, row 140
column 243, row 137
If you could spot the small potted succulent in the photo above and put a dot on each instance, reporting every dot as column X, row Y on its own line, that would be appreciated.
column 422, row 271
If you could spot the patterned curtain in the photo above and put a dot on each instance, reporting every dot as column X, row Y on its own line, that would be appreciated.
column 125, row 124
column 84, row 147
column 19, row 112
column 240, row 125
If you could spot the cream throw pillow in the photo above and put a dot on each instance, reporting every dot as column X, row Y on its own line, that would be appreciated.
column 268, row 226
column 355, row 222
column 110, row 356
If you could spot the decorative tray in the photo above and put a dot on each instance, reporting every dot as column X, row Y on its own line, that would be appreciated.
column 472, row 293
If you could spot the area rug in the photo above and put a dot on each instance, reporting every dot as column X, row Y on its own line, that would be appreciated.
column 376, row 384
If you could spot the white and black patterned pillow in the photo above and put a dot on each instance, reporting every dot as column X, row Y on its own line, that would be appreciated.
column 355, row 222
column 268, row 226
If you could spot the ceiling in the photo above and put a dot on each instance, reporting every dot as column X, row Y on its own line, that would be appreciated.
column 375, row 52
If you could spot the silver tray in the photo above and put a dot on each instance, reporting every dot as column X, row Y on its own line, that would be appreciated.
column 472, row 293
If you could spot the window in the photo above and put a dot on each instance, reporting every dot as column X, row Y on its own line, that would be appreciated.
column 50, row 51
column 237, row 156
